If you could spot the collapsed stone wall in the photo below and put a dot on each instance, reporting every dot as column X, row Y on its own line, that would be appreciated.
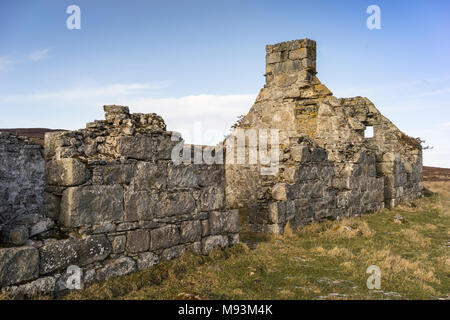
column 120, row 205
column 356, row 174
column 22, row 187
column 399, row 157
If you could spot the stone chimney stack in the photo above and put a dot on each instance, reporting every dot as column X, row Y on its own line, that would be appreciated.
column 290, row 58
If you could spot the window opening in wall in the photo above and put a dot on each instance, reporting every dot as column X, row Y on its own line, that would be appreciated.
column 368, row 133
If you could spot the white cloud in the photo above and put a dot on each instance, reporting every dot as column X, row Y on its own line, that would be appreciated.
column 5, row 62
column 87, row 95
column 431, row 93
column 39, row 55
column 201, row 119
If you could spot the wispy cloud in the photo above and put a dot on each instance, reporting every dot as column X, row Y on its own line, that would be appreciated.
column 203, row 118
column 5, row 62
column 431, row 93
column 84, row 94
column 39, row 55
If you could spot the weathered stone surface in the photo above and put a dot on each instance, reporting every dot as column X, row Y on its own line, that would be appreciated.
column 60, row 254
column 14, row 235
column 147, row 260
column 116, row 109
column 191, row 231
column 212, row 198
column 139, row 206
column 195, row 247
column 138, row 241
column 172, row 253
column 224, row 222
column 66, row 172
column 205, row 228
column 145, row 205
column 150, row 176
column 18, row 265
column 210, row 175
column 174, row 203
column 41, row 226
column 52, row 205
column 212, row 242
column 116, row 268
column 300, row 153
column 103, row 227
column 138, row 147
column 146, row 147
column 91, row 205
column 113, row 174
column 279, row 192
column 22, row 178
column 182, row 176
column 233, row 239
column 39, row 287
column 118, row 244
column 164, row 237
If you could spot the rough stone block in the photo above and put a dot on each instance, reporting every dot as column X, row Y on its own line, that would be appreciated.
column 224, row 222
column 139, row 147
column 147, row 260
column 150, row 176
column 119, row 267
column 66, row 172
column 300, row 153
column 39, row 287
column 18, row 265
column 213, row 242
column 233, row 239
column 279, row 192
column 14, row 235
column 91, row 205
column 52, row 205
column 273, row 57
column 298, row 54
column 191, row 231
column 138, row 206
column 58, row 255
column 113, row 174
column 182, row 176
column 173, row 203
column 212, row 198
column 195, row 247
column 150, row 205
column 41, row 227
column 164, row 237
column 319, row 154
column 118, row 244
column 205, row 228
column 210, row 175
column 172, row 253
column 138, row 241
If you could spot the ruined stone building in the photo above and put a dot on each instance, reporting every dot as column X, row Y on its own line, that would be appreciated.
column 112, row 198
column 328, row 167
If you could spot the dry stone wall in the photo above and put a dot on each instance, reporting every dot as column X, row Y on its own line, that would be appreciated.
column 22, row 187
column 120, row 204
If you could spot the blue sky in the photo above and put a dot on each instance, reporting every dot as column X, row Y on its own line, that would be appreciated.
column 200, row 64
